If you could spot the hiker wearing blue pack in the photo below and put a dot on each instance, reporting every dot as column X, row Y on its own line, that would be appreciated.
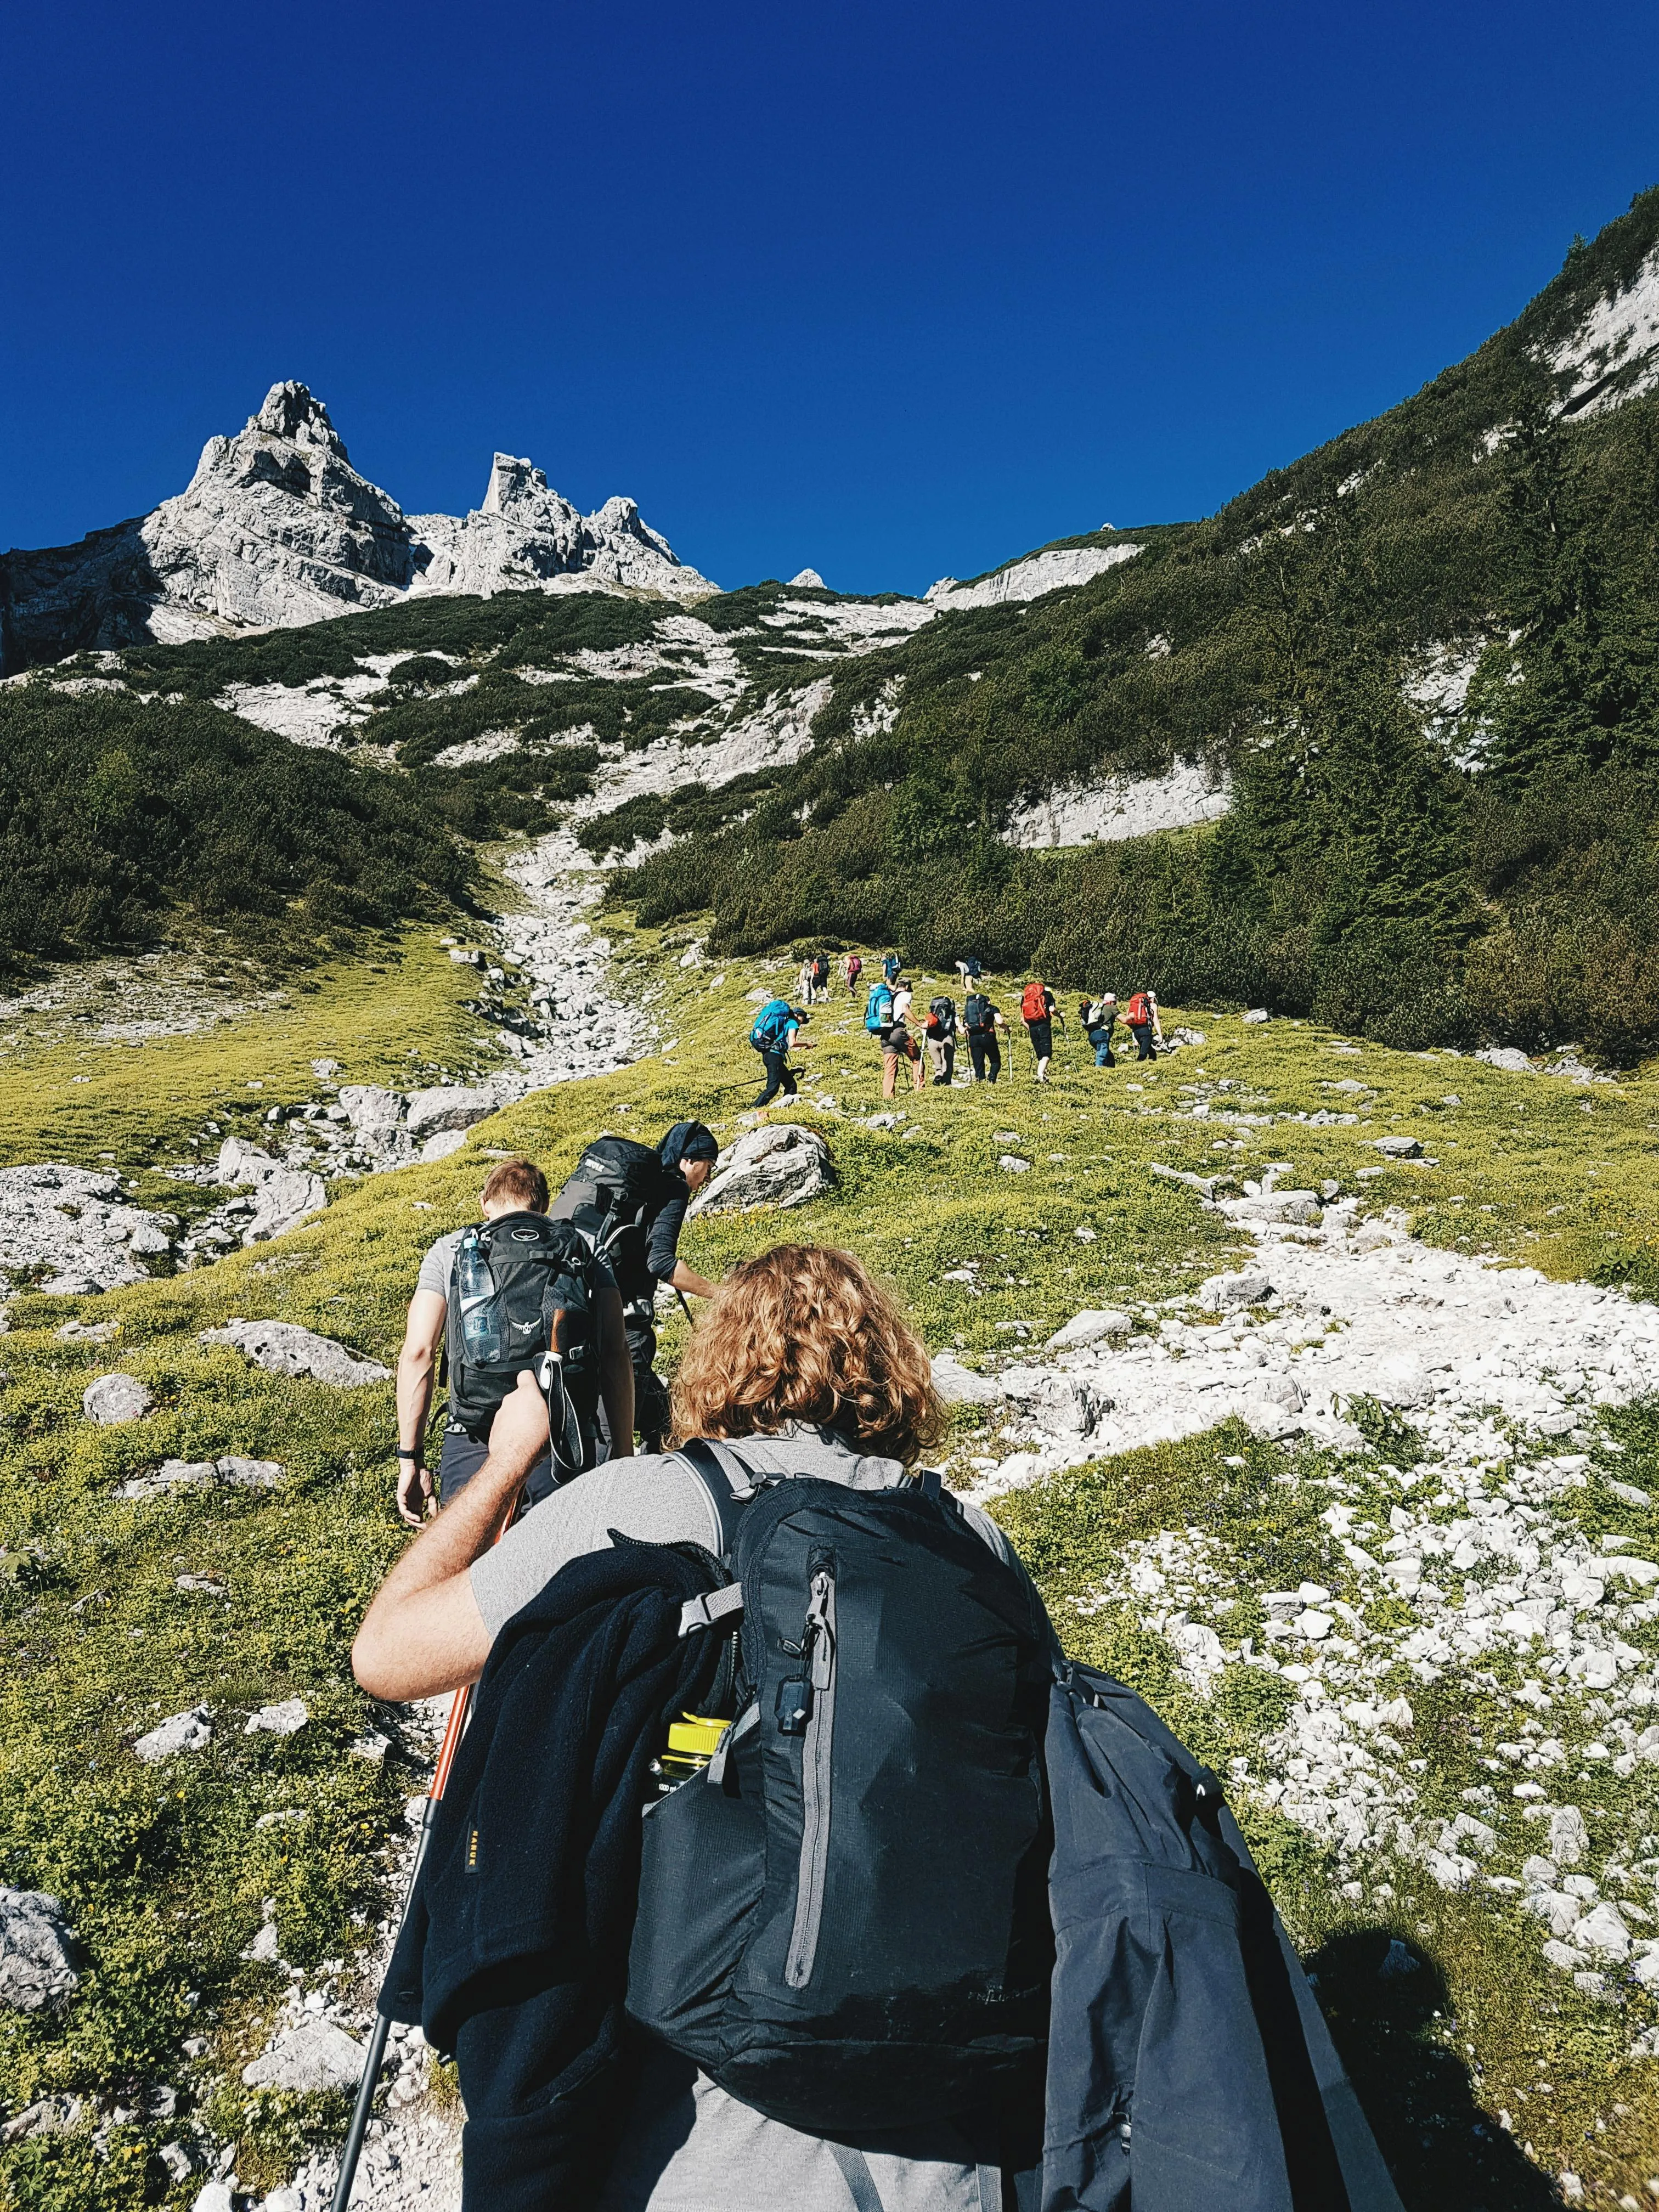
column 1099, row 1020
column 981, row 1021
column 773, row 1035
column 922, row 1916
column 892, row 968
column 939, row 1029
column 492, row 1301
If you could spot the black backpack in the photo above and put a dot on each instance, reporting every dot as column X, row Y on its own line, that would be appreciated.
column 976, row 1012
column 945, row 1014
column 612, row 1195
column 843, row 1919
column 521, row 1287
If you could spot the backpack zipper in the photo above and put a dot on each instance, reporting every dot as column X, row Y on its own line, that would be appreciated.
column 819, row 1642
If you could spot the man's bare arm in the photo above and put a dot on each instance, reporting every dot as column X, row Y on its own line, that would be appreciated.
column 687, row 1279
column 616, row 1374
column 416, row 1362
column 423, row 1633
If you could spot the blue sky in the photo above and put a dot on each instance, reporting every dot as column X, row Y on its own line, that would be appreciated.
column 888, row 290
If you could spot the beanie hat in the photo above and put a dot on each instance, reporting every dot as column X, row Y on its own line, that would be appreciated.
column 688, row 1140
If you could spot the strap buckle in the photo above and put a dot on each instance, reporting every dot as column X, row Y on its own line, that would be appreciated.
column 710, row 1608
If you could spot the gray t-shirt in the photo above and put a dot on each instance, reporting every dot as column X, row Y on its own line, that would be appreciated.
column 687, row 2145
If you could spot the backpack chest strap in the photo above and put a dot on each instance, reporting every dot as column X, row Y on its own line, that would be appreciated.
column 726, row 1482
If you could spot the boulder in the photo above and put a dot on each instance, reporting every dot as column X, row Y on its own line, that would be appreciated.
column 440, row 1147
column 287, row 1718
column 960, row 1386
column 1256, row 1014
column 1089, row 1327
column 1397, row 1148
column 1012, row 1163
column 314, row 2055
column 369, row 1108
column 74, row 1225
column 115, row 1398
column 782, row 1166
column 1508, row 1058
column 447, row 1106
column 204, row 1475
column 180, row 1732
column 1224, row 1293
column 282, row 1194
column 37, row 1951
column 283, row 1347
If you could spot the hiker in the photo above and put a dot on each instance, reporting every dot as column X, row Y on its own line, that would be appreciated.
column 892, row 968
column 514, row 1192
column 772, row 1036
column 969, row 971
column 803, row 1369
column 1141, row 1015
column 807, row 979
column 940, row 1031
column 981, row 1021
column 1039, row 1013
column 629, row 1200
column 821, row 980
column 1099, row 1020
column 855, row 970
column 884, row 1012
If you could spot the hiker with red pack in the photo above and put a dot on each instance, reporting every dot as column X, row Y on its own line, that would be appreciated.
column 855, row 970
column 1141, row 1015
column 1038, row 1011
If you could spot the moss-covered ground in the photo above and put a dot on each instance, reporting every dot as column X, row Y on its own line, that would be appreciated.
column 164, row 1869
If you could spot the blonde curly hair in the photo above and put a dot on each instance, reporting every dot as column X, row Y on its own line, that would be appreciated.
column 802, row 1334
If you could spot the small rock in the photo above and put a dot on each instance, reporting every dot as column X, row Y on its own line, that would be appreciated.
column 1627, row 1493
column 115, row 1398
column 176, row 2160
column 1313, row 1624
column 266, row 1947
column 89, row 1331
column 313, row 2055
column 373, row 1747
column 1397, row 1148
column 287, row 1718
column 1603, row 1932
column 1568, row 1837
column 215, row 2197
column 181, row 1732
column 960, row 1386
column 37, row 1951
column 1400, row 1958
column 1011, row 1163
column 1256, row 1014
column 203, row 1584
column 1089, row 1327
column 283, row 1347
column 1222, row 1292
column 322, row 1069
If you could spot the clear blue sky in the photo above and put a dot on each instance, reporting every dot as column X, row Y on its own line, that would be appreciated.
column 886, row 289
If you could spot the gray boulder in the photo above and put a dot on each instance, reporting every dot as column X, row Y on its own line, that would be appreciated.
column 782, row 1166
column 960, row 1386
column 1509, row 1057
column 440, row 1147
column 287, row 1718
column 37, row 1951
column 180, row 1732
column 1256, row 1014
column 1222, row 1293
column 283, row 1347
column 232, row 1471
column 314, row 2055
column 115, row 1398
column 282, row 1194
column 1089, row 1329
column 1397, row 1148
column 74, row 1223
column 369, row 1108
column 447, row 1106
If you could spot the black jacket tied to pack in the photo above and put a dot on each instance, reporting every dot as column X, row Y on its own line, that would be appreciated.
column 514, row 1953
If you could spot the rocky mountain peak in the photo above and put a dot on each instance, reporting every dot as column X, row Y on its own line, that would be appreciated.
column 520, row 487
column 292, row 413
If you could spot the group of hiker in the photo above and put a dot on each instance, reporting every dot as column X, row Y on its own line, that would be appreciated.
column 782, row 1858
column 924, row 1039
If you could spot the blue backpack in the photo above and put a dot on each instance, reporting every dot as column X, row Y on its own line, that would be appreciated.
column 771, row 1030
column 878, row 1009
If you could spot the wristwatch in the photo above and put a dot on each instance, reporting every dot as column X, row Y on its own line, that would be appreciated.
column 403, row 1452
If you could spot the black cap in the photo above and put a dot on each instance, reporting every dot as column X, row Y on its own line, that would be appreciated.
column 688, row 1140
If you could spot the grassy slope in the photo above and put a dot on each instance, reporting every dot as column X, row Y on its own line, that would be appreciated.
column 164, row 1869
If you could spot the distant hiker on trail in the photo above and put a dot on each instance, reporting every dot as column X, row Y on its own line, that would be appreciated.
column 884, row 1013
column 981, row 1021
column 821, row 980
column 1038, row 1011
column 1141, row 1015
column 481, row 1294
column 855, row 970
column 773, row 1035
column 1098, row 1022
column 892, row 968
column 807, row 979
column 971, row 971
column 628, row 1200
column 940, row 1031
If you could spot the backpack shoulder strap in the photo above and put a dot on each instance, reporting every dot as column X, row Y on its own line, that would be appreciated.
column 727, row 1483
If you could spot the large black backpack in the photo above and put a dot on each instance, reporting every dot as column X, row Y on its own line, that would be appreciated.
column 844, row 1918
column 977, row 1014
column 611, row 1195
column 521, row 1287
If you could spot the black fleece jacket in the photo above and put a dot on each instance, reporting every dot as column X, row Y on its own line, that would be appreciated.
column 514, row 1952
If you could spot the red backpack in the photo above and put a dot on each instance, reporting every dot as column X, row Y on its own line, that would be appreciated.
column 1034, row 1004
column 1139, row 1010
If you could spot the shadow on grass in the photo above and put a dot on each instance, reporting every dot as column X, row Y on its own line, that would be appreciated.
column 1445, row 2151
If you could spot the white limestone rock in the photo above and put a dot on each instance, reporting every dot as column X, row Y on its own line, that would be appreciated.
column 286, row 1718
column 1397, row 1148
column 446, row 1107
column 1090, row 1328
column 232, row 1472
column 312, row 2055
column 113, row 1398
column 960, row 1386
column 1030, row 579
column 76, row 1222
column 1114, row 807
column 178, row 1733
column 283, row 1347
column 440, row 1147
column 37, row 1951
column 1222, row 1293
column 780, row 1165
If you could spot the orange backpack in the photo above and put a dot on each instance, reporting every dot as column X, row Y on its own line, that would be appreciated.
column 1139, row 1010
column 1034, row 1004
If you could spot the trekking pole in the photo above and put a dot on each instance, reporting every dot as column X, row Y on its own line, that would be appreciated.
column 454, row 1729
